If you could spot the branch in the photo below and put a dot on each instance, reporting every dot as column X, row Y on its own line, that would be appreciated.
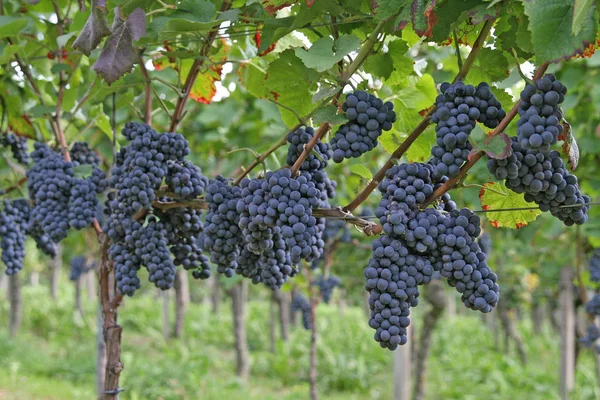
column 147, row 91
column 450, row 183
column 191, row 78
column 15, row 186
column 319, row 134
column 399, row 152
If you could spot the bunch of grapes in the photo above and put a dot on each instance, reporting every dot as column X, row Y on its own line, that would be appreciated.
column 79, row 266
column 458, row 108
column 534, row 169
column 591, row 336
column 14, row 219
column 42, row 240
column 593, row 305
column 595, row 266
column 368, row 117
column 326, row 286
column 416, row 244
column 49, row 182
column 185, row 179
column 18, row 147
column 83, row 199
column 485, row 243
column 150, row 241
column 82, row 153
column 539, row 109
column 223, row 236
column 301, row 303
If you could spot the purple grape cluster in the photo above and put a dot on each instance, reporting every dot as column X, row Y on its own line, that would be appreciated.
column 14, row 219
column 18, row 147
column 368, row 117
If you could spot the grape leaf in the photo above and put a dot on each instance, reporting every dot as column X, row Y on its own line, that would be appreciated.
column 496, row 196
column 386, row 8
column 119, row 55
column 380, row 65
column 323, row 93
column 498, row 146
column 328, row 114
column 362, row 171
column 449, row 13
column 11, row 26
column 21, row 125
column 550, row 23
column 95, row 28
column 420, row 150
column 570, row 146
column 402, row 64
column 324, row 53
column 582, row 10
column 424, row 17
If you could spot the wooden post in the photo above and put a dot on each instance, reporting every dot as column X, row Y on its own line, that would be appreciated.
column 165, row 313
column 567, row 333
column 56, row 264
column 181, row 292
column 402, row 369
column 239, row 294
column 14, row 285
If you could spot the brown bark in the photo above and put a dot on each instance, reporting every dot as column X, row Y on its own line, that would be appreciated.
column 239, row 295
column 436, row 297
column 100, row 357
column 14, row 286
column 181, row 287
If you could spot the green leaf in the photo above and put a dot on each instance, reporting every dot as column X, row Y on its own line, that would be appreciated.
column 424, row 18
column 194, row 10
column 550, row 23
column 402, row 64
column 498, row 146
column 449, row 13
column 103, row 123
column 11, row 26
column 496, row 196
column 328, row 114
column 9, row 51
column 274, row 29
column 177, row 26
column 63, row 39
column 56, row 68
column 288, row 81
column 380, row 65
column 492, row 65
column 580, row 13
column 323, row 54
column 83, row 170
column 420, row 150
column 39, row 111
column 323, row 93
column 362, row 171
column 387, row 8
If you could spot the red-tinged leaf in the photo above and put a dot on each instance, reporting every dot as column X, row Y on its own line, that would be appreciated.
column 21, row 125
column 309, row 3
column 272, row 6
column 204, row 88
column 268, row 50
column 161, row 62
column 424, row 17
column 275, row 95
column 498, row 146
column 570, row 146
column 257, row 36
column 496, row 196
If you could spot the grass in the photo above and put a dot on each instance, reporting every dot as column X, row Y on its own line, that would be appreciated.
column 54, row 357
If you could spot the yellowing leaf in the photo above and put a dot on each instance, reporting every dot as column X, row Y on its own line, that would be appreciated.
column 496, row 196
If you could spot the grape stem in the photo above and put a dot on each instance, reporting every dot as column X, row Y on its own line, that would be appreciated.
column 147, row 90
column 450, row 183
column 399, row 152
